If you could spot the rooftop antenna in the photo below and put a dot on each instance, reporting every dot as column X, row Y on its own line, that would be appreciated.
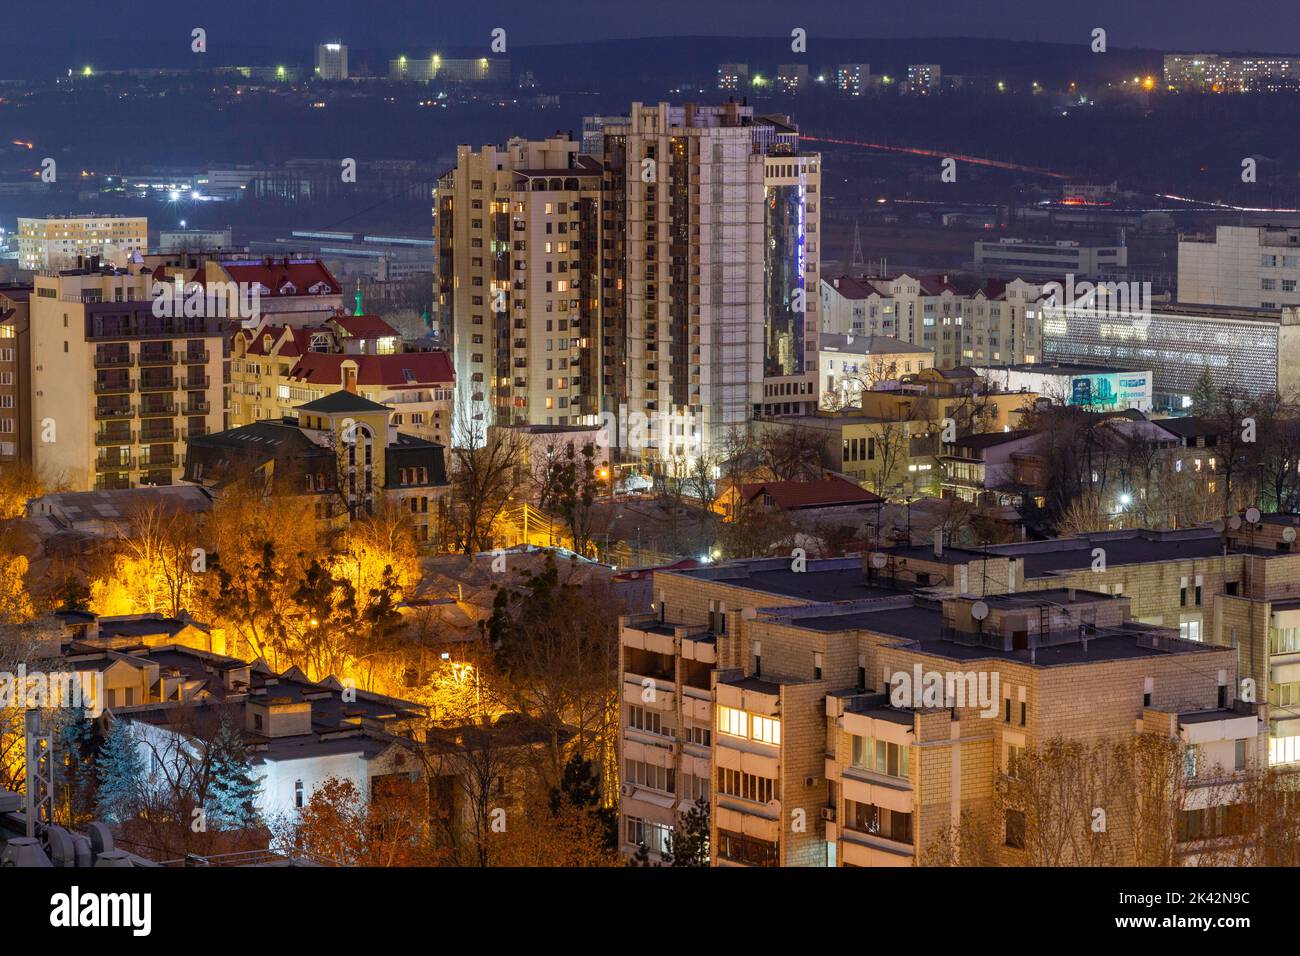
column 859, row 264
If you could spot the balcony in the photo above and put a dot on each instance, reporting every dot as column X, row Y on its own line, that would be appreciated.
column 112, row 482
column 110, row 360
column 158, row 410
column 122, row 436
column 196, row 431
column 195, row 358
column 158, row 461
column 196, row 382
column 105, row 387
column 114, row 411
column 150, row 433
column 112, row 462
column 167, row 384
column 157, row 358
column 197, row 408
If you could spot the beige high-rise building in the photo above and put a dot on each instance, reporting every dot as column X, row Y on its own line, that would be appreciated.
column 519, row 236
column 668, row 283
column 116, row 388
column 58, row 242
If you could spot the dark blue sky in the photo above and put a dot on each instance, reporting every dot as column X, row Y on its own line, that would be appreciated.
column 1263, row 25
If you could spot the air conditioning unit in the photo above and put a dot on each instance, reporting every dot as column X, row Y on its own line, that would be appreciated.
column 809, row 781
column 828, row 814
column 625, row 789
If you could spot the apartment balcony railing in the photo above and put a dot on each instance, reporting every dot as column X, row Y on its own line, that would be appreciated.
column 113, row 463
column 161, row 410
column 195, row 358
column 158, row 461
column 149, row 434
column 112, row 482
column 196, row 431
column 158, row 384
column 103, row 360
column 197, row 408
column 118, row 437
column 114, row 411
column 108, row 387
column 157, row 358
column 196, row 382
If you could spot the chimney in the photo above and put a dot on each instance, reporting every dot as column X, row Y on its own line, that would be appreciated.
column 938, row 542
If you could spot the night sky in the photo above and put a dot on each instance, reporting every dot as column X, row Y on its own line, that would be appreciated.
column 1242, row 25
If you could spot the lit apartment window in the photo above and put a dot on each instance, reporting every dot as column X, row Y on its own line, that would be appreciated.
column 765, row 729
column 732, row 722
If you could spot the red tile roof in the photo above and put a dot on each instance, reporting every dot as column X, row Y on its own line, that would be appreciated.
column 299, row 339
column 285, row 277
column 425, row 368
column 823, row 493
column 364, row 326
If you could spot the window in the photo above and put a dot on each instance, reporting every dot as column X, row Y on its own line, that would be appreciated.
column 747, row 786
column 881, row 756
column 1239, row 755
column 1014, row 757
column 739, row 848
column 656, row 837
column 1015, row 829
column 732, row 722
column 643, row 774
column 297, row 794
column 1190, row 758
column 878, row 821
column 701, row 736
column 639, row 718
column 766, row 729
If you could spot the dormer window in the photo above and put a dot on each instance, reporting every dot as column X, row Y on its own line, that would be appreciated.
column 288, row 289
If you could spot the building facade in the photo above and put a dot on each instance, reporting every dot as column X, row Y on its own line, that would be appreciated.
column 1249, row 267
column 57, row 242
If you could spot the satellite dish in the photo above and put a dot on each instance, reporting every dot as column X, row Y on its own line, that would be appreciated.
column 1219, row 525
column 1288, row 535
column 979, row 610
column 1234, row 522
column 1252, row 515
column 878, row 560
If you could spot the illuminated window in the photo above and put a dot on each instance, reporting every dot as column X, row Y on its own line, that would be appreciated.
column 766, row 729
column 732, row 722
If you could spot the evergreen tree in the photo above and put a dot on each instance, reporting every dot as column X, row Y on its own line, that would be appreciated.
column 232, row 789
column 1205, row 396
column 119, row 770
column 688, row 845
column 641, row 857
column 74, row 767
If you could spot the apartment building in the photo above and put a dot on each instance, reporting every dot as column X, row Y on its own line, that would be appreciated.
column 1250, row 267
column 15, row 374
column 519, row 242
column 331, row 61
column 665, row 280
column 276, row 368
column 924, row 78
column 792, row 78
column 784, row 684
column 1212, row 73
column 117, row 389
column 928, row 311
column 853, row 79
column 733, row 77
column 341, row 450
column 56, row 242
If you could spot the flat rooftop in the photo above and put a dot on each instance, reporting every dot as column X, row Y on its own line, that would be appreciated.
column 830, row 579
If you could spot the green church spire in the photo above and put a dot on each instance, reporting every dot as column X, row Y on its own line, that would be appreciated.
column 358, row 312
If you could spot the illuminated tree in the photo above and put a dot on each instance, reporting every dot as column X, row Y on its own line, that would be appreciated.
column 119, row 770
